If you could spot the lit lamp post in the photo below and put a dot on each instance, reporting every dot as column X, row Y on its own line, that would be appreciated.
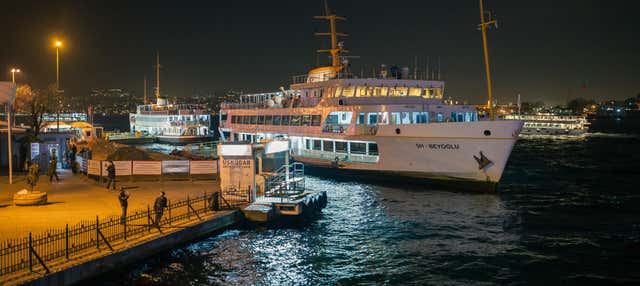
column 58, row 44
column 10, row 159
column 13, row 75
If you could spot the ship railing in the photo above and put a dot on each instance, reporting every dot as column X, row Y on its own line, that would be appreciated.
column 252, row 105
column 287, row 181
column 299, row 78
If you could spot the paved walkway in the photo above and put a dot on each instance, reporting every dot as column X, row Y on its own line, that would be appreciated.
column 77, row 198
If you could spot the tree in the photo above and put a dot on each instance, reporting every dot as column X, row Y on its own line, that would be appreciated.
column 31, row 102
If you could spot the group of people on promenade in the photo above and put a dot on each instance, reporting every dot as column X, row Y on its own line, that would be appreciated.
column 158, row 207
column 123, row 197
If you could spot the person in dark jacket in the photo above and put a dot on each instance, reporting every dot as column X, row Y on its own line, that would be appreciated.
column 111, row 175
column 123, row 197
column 158, row 207
column 53, row 164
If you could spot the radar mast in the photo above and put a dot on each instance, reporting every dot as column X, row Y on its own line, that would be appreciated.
column 336, row 47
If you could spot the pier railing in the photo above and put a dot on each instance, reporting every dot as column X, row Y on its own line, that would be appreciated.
column 36, row 251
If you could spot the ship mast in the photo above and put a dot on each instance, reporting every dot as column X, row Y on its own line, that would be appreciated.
column 145, row 91
column 483, row 26
column 336, row 48
column 157, row 76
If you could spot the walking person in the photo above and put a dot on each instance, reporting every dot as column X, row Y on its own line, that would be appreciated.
column 111, row 175
column 159, row 206
column 123, row 197
column 53, row 164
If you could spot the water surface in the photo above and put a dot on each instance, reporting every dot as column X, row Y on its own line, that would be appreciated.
column 566, row 212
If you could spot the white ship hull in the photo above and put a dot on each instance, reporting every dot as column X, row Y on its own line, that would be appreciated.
column 448, row 151
column 439, row 151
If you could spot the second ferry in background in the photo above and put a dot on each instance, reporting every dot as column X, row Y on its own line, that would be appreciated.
column 551, row 124
column 389, row 123
column 171, row 123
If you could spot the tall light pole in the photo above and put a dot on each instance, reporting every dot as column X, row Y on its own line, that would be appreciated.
column 58, row 44
column 9, row 106
column 13, row 75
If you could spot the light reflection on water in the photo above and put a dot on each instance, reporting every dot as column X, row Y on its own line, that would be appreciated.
column 566, row 212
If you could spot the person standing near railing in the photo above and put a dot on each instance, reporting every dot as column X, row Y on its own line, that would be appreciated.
column 123, row 197
column 111, row 175
column 159, row 206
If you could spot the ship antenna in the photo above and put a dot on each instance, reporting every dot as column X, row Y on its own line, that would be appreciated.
column 438, row 67
column 157, row 75
column 483, row 27
column 336, row 48
column 145, row 90
column 428, row 78
column 415, row 67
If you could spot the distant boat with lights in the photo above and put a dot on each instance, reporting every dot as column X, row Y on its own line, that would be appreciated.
column 551, row 124
column 390, row 123
column 170, row 123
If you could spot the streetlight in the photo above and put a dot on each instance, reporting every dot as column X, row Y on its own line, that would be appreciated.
column 13, row 75
column 8, row 111
column 58, row 44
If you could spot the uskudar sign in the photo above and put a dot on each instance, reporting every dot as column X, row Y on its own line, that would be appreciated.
column 236, row 163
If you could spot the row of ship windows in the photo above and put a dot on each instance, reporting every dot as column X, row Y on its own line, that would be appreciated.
column 367, row 91
column 344, row 147
column 292, row 120
column 415, row 117
column 529, row 124
column 371, row 118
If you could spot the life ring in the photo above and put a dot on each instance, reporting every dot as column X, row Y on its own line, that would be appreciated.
column 373, row 130
column 341, row 129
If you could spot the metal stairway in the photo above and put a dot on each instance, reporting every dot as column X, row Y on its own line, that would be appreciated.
column 287, row 181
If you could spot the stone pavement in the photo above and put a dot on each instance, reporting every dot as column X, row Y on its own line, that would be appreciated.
column 77, row 198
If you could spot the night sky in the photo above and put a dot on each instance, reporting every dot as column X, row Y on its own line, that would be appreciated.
column 544, row 49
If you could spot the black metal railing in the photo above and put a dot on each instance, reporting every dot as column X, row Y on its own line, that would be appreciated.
column 37, row 250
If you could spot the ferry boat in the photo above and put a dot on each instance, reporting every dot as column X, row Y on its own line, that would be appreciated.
column 171, row 123
column 387, row 123
column 551, row 124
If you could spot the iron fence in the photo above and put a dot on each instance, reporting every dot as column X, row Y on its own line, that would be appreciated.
column 36, row 250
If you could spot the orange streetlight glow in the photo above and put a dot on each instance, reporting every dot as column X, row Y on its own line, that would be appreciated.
column 13, row 74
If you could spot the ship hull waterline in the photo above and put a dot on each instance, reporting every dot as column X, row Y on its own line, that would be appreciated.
column 457, row 151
